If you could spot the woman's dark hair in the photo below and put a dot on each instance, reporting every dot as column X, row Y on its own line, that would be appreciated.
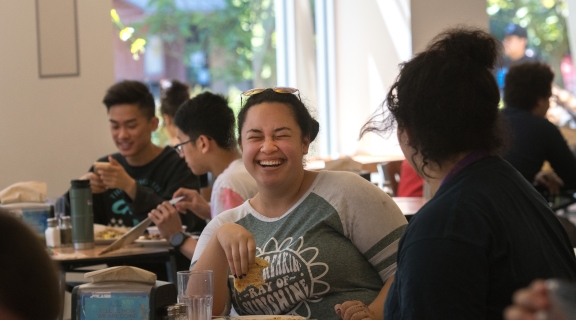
column 446, row 97
column 173, row 97
column 526, row 83
column 131, row 92
column 29, row 285
column 207, row 114
column 308, row 125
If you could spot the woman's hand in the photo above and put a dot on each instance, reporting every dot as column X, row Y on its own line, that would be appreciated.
column 528, row 302
column 239, row 246
column 354, row 310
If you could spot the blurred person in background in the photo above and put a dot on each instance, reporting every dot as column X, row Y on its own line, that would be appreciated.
column 29, row 285
column 205, row 128
column 174, row 94
column 486, row 231
column 410, row 183
column 515, row 42
column 535, row 139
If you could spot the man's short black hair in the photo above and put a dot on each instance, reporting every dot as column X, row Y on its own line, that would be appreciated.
column 526, row 83
column 131, row 92
column 207, row 114
column 173, row 96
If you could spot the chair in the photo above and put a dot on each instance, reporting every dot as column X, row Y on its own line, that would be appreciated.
column 389, row 176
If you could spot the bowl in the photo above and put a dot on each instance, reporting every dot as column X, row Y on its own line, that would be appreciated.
column 154, row 230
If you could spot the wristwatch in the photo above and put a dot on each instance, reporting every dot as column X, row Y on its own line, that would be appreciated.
column 178, row 239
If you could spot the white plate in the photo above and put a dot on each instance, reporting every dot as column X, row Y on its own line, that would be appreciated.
column 154, row 229
column 99, row 242
column 157, row 242
column 151, row 243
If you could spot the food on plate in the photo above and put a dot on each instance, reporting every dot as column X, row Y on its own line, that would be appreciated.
column 110, row 233
column 253, row 277
column 150, row 237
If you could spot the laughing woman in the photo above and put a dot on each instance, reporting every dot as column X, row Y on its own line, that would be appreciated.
column 330, row 237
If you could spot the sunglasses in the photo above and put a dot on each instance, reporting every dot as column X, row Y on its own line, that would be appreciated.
column 256, row 91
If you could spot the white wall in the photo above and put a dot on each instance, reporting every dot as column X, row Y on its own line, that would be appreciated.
column 52, row 129
column 430, row 17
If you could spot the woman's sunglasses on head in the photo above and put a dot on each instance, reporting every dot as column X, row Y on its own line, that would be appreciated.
column 256, row 91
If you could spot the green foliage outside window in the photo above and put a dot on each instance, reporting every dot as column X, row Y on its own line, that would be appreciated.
column 545, row 21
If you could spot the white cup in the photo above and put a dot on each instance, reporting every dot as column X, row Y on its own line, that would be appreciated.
column 196, row 290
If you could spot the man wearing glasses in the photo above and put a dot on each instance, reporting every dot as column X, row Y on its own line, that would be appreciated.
column 205, row 128
column 128, row 184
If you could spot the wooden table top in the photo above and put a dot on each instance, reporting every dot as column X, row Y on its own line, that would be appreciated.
column 68, row 253
column 409, row 205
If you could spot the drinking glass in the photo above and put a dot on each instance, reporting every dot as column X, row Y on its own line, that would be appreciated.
column 196, row 290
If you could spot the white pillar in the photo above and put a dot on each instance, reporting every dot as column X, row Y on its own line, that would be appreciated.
column 296, row 49
column 372, row 38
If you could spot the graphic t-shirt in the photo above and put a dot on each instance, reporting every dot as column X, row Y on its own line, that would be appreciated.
column 231, row 188
column 156, row 182
column 337, row 243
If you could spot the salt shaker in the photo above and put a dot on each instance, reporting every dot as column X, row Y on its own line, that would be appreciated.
column 52, row 233
column 172, row 312
column 183, row 314
column 65, row 231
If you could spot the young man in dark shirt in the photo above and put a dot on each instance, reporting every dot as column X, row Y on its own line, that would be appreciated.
column 534, row 138
column 128, row 184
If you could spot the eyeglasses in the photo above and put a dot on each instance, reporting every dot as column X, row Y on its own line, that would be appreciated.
column 256, row 91
column 180, row 147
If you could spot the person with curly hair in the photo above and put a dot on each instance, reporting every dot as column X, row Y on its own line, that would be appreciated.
column 486, row 232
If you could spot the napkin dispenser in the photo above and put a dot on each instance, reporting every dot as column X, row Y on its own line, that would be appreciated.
column 34, row 214
column 122, row 293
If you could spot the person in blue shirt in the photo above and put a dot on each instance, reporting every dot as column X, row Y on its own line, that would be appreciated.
column 515, row 42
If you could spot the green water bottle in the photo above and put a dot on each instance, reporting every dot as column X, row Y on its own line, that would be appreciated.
column 82, row 215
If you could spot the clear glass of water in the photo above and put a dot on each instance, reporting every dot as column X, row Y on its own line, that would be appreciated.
column 196, row 290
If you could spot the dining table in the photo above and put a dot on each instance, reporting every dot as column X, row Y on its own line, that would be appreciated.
column 70, row 259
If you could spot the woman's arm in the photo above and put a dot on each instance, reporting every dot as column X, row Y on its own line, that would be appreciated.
column 213, row 259
column 375, row 311
column 231, row 243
